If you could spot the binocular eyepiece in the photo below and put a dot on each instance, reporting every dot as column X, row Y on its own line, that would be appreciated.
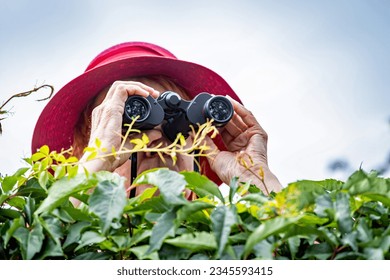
column 176, row 114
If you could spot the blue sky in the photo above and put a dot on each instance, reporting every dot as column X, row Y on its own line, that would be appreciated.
column 315, row 73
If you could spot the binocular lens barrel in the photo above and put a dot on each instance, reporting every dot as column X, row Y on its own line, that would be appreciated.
column 219, row 109
column 175, row 114
column 137, row 106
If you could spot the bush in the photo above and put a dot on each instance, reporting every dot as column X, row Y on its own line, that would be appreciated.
column 307, row 220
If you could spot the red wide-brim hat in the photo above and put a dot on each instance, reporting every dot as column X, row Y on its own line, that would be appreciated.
column 56, row 123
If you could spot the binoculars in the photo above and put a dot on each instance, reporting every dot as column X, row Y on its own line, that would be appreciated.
column 176, row 114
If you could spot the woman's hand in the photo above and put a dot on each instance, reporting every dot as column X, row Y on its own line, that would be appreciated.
column 246, row 155
column 107, row 120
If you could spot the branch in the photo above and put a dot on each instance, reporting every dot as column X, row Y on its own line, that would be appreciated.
column 26, row 93
column 23, row 94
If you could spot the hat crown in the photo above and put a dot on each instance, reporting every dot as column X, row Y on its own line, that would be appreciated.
column 128, row 50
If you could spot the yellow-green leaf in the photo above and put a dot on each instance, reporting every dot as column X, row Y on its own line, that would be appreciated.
column 138, row 144
column 44, row 150
column 37, row 156
column 92, row 156
column 98, row 143
column 182, row 140
column 145, row 139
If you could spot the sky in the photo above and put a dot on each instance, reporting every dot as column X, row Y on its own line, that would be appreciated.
column 314, row 73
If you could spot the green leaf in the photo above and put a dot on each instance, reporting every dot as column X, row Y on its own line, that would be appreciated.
column 363, row 183
column 107, row 202
column 233, row 187
column 21, row 171
column 140, row 236
column 170, row 252
column 385, row 242
column 148, row 193
column 30, row 241
column 320, row 251
column 98, row 142
column 155, row 204
column 9, row 213
column 343, row 213
column 309, row 232
column 190, row 209
column 53, row 227
column 170, row 183
column 77, row 214
column 17, row 202
column 32, row 189
column 256, row 198
column 264, row 250
column 90, row 238
column 29, row 209
column 74, row 233
column 72, row 170
column 268, row 228
column 122, row 241
column 364, row 232
column 165, row 227
column 379, row 197
column 223, row 218
column 14, row 225
column 60, row 171
column 93, row 256
column 373, row 253
column 63, row 215
column 350, row 240
column 37, row 156
column 202, row 186
column 198, row 241
column 301, row 194
column 51, row 249
column 238, row 238
column 44, row 150
column 92, row 156
column 3, row 197
column 293, row 245
column 64, row 188
column 43, row 179
column 142, row 253
column 8, row 183
column 324, row 206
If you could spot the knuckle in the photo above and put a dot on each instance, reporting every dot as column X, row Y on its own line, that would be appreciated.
column 97, row 111
column 117, row 83
column 264, row 135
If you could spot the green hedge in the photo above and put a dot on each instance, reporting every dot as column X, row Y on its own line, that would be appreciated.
column 326, row 219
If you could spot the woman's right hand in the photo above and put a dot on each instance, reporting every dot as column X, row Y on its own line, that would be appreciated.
column 107, row 120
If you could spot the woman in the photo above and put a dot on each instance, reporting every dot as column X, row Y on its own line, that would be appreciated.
column 137, row 68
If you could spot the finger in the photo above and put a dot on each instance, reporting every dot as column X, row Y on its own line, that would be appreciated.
column 149, row 89
column 219, row 161
column 233, row 129
column 213, row 151
column 153, row 92
column 226, row 136
column 245, row 115
column 121, row 90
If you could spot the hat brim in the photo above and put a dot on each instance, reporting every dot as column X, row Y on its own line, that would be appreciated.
column 56, row 123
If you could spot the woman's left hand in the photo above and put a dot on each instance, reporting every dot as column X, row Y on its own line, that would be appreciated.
column 246, row 155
